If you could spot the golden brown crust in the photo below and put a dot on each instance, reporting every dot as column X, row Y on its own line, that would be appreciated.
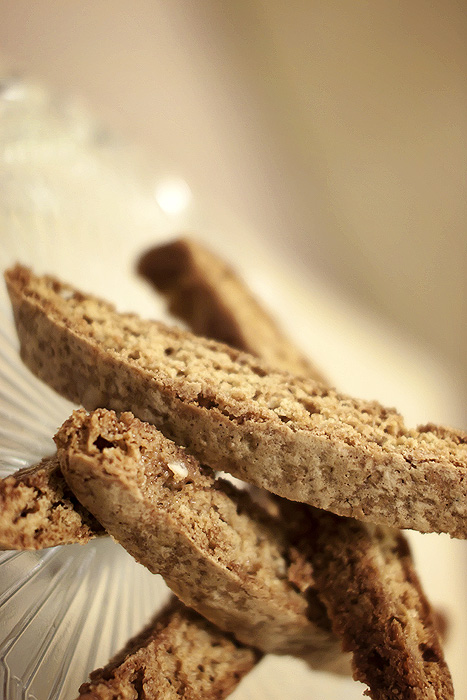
column 38, row 510
column 178, row 655
column 287, row 434
column 207, row 293
column 217, row 550
column 364, row 574
column 352, row 625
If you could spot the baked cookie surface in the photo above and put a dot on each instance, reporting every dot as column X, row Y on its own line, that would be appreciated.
column 38, row 510
column 220, row 553
column 288, row 434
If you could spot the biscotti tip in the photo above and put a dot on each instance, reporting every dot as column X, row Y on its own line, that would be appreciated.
column 38, row 510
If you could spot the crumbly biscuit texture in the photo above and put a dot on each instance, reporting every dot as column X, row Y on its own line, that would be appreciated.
column 179, row 655
column 218, row 551
column 287, row 434
column 208, row 294
column 364, row 573
column 366, row 577
column 38, row 510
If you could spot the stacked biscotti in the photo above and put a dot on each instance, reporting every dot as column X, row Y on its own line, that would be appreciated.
column 364, row 573
column 220, row 553
column 289, row 434
column 39, row 497
column 392, row 618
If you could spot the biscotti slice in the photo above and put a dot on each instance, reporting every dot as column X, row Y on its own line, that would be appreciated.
column 179, row 655
column 206, row 292
column 38, row 510
column 180, row 652
column 287, row 434
column 364, row 573
column 218, row 551
column 366, row 577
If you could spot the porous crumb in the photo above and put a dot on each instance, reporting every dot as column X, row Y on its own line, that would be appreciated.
column 218, row 550
column 38, row 510
column 179, row 655
column 288, row 434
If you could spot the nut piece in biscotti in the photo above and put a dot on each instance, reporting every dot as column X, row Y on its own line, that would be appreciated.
column 364, row 574
column 287, row 434
column 206, row 293
column 178, row 655
column 219, row 552
column 38, row 510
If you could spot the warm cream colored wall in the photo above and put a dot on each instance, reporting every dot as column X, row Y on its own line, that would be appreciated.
column 339, row 126
column 371, row 98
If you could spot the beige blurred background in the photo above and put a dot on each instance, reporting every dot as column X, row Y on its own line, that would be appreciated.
column 336, row 129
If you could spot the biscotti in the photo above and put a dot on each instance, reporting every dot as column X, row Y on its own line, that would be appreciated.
column 289, row 435
column 38, row 510
column 237, row 567
column 219, row 552
column 366, row 577
column 206, row 293
column 179, row 655
column 364, row 573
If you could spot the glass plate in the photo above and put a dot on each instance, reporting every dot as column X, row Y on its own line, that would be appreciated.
column 75, row 203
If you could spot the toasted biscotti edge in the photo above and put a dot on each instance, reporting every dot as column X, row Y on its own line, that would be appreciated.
column 38, row 510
